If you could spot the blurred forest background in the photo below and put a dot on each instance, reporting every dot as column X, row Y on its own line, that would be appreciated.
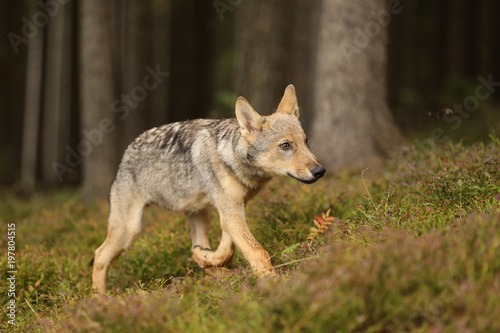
column 81, row 79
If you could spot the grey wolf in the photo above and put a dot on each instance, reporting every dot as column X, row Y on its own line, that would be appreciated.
column 195, row 165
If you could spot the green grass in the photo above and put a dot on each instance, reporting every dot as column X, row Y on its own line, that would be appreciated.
column 415, row 248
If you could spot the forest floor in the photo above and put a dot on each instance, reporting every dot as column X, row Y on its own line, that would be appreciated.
column 413, row 248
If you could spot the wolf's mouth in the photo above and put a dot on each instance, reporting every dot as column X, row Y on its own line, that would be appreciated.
column 305, row 181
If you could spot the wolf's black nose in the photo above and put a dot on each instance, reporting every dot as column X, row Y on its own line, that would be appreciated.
column 318, row 171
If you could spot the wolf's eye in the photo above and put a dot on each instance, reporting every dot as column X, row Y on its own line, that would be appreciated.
column 285, row 146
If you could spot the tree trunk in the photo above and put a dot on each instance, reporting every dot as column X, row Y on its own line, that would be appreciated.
column 32, row 114
column 57, row 93
column 403, row 65
column 98, row 142
column 494, row 66
column 353, row 127
column 459, row 34
column 161, row 56
column 191, row 69
column 262, row 58
column 137, row 54
column 274, row 48
column 13, row 86
column 304, row 26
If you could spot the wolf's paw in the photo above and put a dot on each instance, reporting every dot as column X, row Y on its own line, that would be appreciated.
column 200, row 256
column 265, row 271
column 207, row 258
column 269, row 272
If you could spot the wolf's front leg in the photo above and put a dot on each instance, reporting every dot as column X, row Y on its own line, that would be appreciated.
column 236, row 226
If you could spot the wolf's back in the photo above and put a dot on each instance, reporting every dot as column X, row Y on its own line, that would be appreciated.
column 174, row 162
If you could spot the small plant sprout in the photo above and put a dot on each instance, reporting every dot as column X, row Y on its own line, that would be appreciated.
column 321, row 224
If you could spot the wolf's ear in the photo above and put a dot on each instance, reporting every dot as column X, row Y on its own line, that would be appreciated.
column 288, row 103
column 250, row 121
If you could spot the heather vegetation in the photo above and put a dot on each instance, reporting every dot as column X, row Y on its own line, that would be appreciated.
column 413, row 248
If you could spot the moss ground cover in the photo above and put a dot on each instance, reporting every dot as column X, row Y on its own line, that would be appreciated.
column 415, row 248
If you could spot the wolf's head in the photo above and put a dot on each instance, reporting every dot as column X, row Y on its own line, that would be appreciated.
column 277, row 143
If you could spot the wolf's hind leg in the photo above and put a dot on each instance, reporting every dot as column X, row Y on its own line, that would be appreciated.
column 124, row 226
column 199, row 223
column 202, row 254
